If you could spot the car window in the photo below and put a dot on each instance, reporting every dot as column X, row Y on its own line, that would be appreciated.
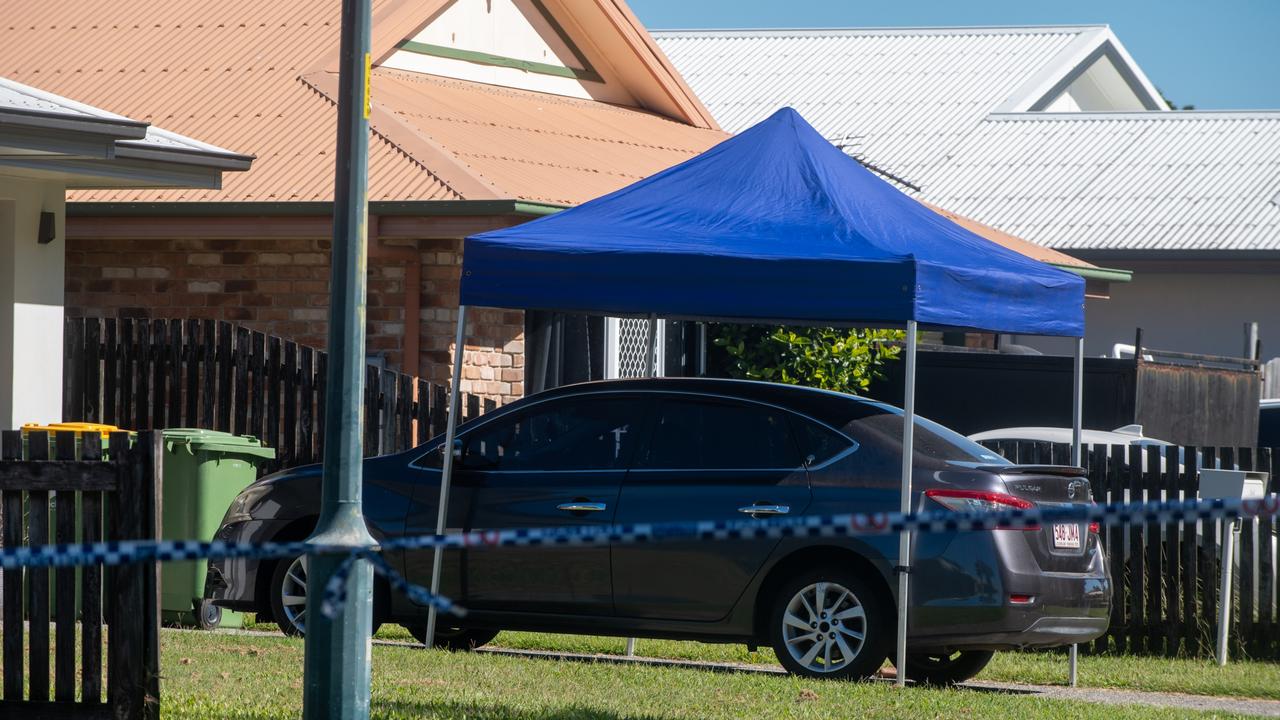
column 930, row 441
column 819, row 442
column 698, row 434
column 578, row 434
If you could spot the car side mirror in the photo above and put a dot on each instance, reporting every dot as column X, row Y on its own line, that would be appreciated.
column 457, row 448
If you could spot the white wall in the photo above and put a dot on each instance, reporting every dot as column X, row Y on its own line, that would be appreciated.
column 507, row 28
column 32, row 282
column 1186, row 312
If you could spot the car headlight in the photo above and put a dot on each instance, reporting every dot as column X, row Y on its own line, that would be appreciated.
column 241, row 508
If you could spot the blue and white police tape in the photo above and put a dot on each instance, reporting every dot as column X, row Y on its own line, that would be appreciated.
column 121, row 552
column 838, row 525
column 849, row 524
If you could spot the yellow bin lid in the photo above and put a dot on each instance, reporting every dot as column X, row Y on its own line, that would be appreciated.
column 78, row 427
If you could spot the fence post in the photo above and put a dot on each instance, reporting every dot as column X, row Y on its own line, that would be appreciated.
column 133, row 650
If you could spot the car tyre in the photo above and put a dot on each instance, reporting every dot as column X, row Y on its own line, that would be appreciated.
column 946, row 668
column 453, row 638
column 288, row 596
column 208, row 616
column 829, row 624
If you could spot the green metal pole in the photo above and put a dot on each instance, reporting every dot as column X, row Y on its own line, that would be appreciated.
column 337, row 666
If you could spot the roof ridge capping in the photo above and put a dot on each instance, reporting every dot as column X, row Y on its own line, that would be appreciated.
column 882, row 30
column 1156, row 115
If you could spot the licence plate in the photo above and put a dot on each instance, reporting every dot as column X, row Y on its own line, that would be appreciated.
column 1066, row 535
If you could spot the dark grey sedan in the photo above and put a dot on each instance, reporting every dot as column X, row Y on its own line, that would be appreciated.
column 684, row 449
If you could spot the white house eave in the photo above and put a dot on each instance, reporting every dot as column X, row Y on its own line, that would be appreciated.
column 182, row 156
column 117, row 173
column 22, row 140
column 118, row 129
column 1052, row 80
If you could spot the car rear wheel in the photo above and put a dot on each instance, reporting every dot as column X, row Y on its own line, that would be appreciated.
column 453, row 638
column 829, row 624
column 946, row 668
column 289, row 596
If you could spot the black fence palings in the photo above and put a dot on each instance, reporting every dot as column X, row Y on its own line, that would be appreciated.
column 1165, row 578
column 143, row 375
column 61, row 499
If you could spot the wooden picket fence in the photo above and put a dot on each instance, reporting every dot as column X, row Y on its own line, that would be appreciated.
column 81, row 493
column 1166, row 577
column 156, row 374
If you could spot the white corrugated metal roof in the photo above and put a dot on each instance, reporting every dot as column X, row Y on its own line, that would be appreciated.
column 902, row 96
column 1197, row 180
column 945, row 109
column 39, row 108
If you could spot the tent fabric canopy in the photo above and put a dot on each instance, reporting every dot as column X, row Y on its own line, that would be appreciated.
column 773, row 225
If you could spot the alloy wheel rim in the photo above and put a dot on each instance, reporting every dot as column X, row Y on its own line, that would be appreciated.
column 293, row 593
column 824, row 627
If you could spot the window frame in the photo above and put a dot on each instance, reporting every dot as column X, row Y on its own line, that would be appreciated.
column 652, row 398
column 524, row 411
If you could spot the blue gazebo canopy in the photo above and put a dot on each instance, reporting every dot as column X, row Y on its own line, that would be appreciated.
column 773, row 225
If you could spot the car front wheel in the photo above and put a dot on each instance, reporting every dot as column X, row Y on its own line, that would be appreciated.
column 829, row 624
column 289, row 596
column 946, row 668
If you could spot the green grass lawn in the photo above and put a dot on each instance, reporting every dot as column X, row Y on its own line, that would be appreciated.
column 1246, row 679
column 253, row 677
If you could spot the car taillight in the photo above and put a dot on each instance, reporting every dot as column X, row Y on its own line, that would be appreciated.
column 980, row 501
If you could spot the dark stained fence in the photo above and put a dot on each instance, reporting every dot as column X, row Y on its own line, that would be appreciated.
column 1166, row 577
column 81, row 497
column 1168, row 393
column 156, row 374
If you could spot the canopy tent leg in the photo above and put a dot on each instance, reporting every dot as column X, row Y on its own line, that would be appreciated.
column 446, row 471
column 904, row 538
column 1077, row 456
column 702, row 349
column 651, row 370
column 651, row 366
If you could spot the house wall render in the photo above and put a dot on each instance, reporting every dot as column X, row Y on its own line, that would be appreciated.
column 31, row 295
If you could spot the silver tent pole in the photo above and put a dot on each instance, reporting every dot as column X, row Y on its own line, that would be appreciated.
column 1077, row 456
column 904, row 538
column 702, row 349
column 651, row 367
column 651, row 370
column 446, row 471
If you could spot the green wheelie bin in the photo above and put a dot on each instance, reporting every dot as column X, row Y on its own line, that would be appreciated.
column 204, row 470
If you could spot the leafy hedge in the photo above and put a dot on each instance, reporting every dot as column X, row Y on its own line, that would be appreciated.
column 831, row 358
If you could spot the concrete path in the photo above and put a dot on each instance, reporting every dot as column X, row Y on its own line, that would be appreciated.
column 1106, row 696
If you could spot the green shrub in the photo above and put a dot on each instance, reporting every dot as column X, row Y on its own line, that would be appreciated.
column 841, row 359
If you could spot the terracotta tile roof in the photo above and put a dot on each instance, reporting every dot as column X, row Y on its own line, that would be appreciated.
column 536, row 146
column 234, row 73
column 1017, row 244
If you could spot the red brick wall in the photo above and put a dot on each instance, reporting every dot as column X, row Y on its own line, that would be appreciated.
column 280, row 286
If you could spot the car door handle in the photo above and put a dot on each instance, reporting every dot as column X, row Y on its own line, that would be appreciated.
column 581, row 506
column 765, row 509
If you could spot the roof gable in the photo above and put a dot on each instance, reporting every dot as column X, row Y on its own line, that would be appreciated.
column 897, row 97
column 261, row 78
